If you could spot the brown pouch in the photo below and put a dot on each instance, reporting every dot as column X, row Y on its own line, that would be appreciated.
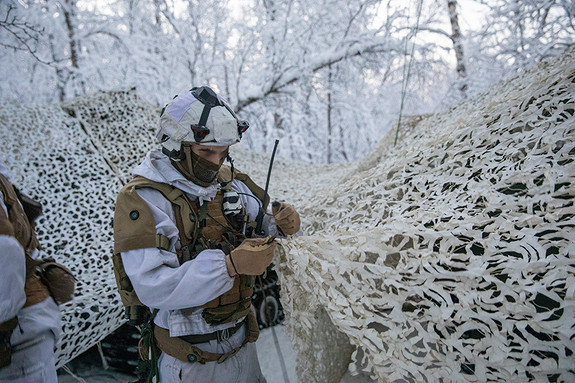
column 227, row 313
column 252, row 327
column 32, row 208
column 6, row 329
column 59, row 280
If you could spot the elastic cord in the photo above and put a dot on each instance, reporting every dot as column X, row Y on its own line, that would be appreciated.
column 234, row 266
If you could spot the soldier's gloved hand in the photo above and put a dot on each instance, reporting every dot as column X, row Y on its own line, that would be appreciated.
column 252, row 257
column 287, row 218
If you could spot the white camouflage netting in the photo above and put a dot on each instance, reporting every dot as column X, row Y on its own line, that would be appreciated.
column 75, row 167
column 447, row 257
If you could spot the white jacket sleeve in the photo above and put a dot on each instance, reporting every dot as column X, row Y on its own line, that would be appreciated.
column 158, row 279
column 12, row 275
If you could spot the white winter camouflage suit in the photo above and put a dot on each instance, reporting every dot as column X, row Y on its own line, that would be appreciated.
column 161, row 283
column 38, row 326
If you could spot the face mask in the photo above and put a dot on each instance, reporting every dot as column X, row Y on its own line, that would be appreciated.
column 196, row 169
column 205, row 171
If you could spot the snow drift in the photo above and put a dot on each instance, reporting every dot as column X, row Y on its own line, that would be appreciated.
column 447, row 256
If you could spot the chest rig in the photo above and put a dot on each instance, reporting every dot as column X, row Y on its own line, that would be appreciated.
column 200, row 228
column 19, row 223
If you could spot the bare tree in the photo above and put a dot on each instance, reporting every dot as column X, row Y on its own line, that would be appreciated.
column 324, row 59
column 457, row 45
column 327, row 74
column 69, row 11
column 22, row 35
column 520, row 33
column 329, row 112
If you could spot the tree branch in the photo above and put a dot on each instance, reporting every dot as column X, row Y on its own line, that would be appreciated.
column 24, row 33
column 293, row 74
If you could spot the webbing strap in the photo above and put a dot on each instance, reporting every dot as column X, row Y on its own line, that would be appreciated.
column 186, row 352
column 6, row 227
column 8, row 191
column 148, row 350
column 197, row 220
column 205, row 115
column 174, row 194
column 8, row 325
column 20, row 221
column 162, row 242
column 203, row 211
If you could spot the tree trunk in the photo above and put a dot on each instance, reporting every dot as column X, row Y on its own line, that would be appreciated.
column 60, row 73
column 457, row 45
column 69, row 11
column 68, row 16
column 158, row 12
column 329, row 107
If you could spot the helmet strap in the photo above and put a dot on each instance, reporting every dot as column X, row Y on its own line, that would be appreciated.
column 231, row 161
column 229, row 158
column 187, row 150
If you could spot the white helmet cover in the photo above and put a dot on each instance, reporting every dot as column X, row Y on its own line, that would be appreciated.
column 199, row 116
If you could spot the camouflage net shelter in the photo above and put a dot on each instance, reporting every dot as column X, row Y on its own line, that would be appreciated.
column 446, row 257
column 451, row 255
column 74, row 159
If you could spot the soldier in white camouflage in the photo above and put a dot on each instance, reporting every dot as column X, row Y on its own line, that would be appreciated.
column 186, row 247
column 29, row 316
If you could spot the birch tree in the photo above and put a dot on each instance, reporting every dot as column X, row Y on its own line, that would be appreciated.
column 457, row 45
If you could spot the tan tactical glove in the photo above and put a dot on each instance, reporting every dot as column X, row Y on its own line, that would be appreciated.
column 287, row 218
column 252, row 257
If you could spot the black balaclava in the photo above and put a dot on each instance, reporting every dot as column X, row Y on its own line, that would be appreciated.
column 197, row 169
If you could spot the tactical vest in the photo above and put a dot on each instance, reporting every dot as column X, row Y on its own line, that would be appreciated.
column 18, row 224
column 199, row 228
column 22, row 211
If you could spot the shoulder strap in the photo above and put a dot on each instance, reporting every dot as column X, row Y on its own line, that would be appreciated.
column 9, row 325
column 6, row 227
column 19, row 219
column 139, row 182
column 10, row 197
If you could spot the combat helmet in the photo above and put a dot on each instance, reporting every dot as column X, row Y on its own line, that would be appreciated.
column 198, row 116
